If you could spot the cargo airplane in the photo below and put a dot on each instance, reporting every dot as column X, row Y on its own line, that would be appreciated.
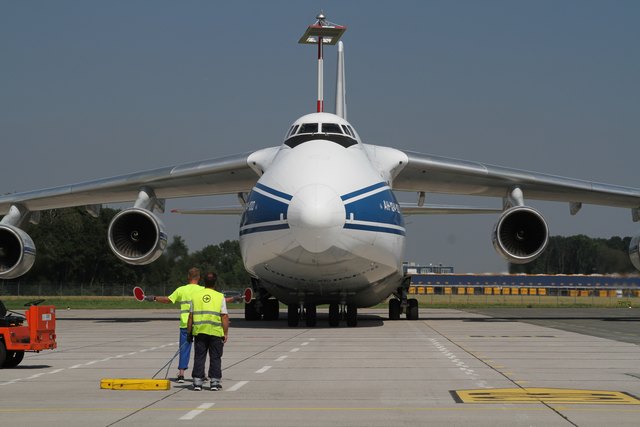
column 320, row 222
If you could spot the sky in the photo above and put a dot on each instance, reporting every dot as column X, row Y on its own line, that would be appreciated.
column 91, row 89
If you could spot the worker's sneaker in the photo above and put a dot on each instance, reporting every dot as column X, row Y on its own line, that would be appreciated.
column 197, row 387
column 216, row 386
column 180, row 378
column 197, row 384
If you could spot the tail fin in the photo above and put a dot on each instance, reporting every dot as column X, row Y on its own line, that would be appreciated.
column 341, row 100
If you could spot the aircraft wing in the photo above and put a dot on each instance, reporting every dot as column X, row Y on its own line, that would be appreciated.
column 429, row 173
column 414, row 209
column 222, row 210
column 224, row 175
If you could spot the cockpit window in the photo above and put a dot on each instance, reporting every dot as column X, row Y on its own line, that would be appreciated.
column 352, row 131
column 331, row 128
column 293, row 130
column 333, row 132
column 309, row 128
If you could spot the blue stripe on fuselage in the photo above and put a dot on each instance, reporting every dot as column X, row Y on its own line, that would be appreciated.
column 362, row 191
column 264, row 209
column 375, row 228
column 378, row 209
column 259, row 228
column 378, row 212
column 274, row 191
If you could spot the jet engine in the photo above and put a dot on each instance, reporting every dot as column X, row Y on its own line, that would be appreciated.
column 520, row 235
column 137, row 236
column 634, row 252
column 17, row 252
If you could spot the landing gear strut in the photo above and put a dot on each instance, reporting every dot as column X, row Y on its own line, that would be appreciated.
column 308, row 312
column 263, row 306
column 400, row 303
column 339, row 311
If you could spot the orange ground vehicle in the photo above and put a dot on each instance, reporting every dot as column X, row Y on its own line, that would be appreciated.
column 16, row 338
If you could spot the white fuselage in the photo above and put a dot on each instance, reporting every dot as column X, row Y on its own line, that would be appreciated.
column 321, row 225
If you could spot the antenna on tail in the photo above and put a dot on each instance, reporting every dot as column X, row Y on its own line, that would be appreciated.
column 322, row 32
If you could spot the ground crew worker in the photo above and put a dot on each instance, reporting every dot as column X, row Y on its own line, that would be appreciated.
column 209, row 325
column 182, row 295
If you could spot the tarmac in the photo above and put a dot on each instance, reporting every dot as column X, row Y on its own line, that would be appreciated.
column 492, row 367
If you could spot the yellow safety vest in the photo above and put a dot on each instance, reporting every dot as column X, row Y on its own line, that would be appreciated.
column 184, row 295
column 207, row 318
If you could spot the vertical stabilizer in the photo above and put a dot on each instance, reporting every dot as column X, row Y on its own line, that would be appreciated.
column 341, row 90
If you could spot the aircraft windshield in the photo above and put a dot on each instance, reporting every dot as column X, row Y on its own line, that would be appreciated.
column 341, row 134
column 308, row 128
column 331, row 128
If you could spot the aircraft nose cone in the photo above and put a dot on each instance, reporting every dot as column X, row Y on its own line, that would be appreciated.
column 316, row 215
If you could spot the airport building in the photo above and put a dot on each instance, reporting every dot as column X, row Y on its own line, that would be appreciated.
column 441, row 280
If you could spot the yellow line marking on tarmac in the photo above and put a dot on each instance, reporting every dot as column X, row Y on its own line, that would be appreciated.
column 545, row 395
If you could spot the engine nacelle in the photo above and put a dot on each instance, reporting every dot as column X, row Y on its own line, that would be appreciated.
column 520, row 235
column 634, row 252
column 137, row 236
column 17, row 252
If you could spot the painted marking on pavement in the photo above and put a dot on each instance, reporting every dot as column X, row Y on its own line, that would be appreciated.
column 237, row 385
column 192, row 414
column 546, row 395
column 457, row 362
column 35, row 376
column 55, row 371
column 281, row 358
column 263, row 369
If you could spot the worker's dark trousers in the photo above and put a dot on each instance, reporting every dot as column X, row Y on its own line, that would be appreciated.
column 213, row 346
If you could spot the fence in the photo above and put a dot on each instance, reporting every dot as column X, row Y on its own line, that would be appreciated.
column 79, row 289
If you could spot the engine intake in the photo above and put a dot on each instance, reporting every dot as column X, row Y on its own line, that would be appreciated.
column 520, row 235
column 137, row 236
column 17, row 252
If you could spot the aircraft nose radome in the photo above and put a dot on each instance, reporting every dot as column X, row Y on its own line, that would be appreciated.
column 316, row 216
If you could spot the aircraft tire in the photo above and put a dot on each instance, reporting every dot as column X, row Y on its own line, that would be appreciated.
column 412, row 310
column 293, row 315
column 311, row 315
column 352, row 315
column 394, row 309
column 250, row 312
column 271, row 309
column 334, row 315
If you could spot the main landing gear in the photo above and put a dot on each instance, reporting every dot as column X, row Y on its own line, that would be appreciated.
column 401, row 304
column 263, row 306
column 348, row 312
column 308, row 312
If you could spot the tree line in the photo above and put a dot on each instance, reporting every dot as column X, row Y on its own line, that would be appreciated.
column 580, row 255
column 72, row 247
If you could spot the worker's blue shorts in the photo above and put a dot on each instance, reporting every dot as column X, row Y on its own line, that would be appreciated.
column 185, row 350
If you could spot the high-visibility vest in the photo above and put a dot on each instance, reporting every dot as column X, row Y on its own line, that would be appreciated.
column 184, row 295
column 207, row 318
